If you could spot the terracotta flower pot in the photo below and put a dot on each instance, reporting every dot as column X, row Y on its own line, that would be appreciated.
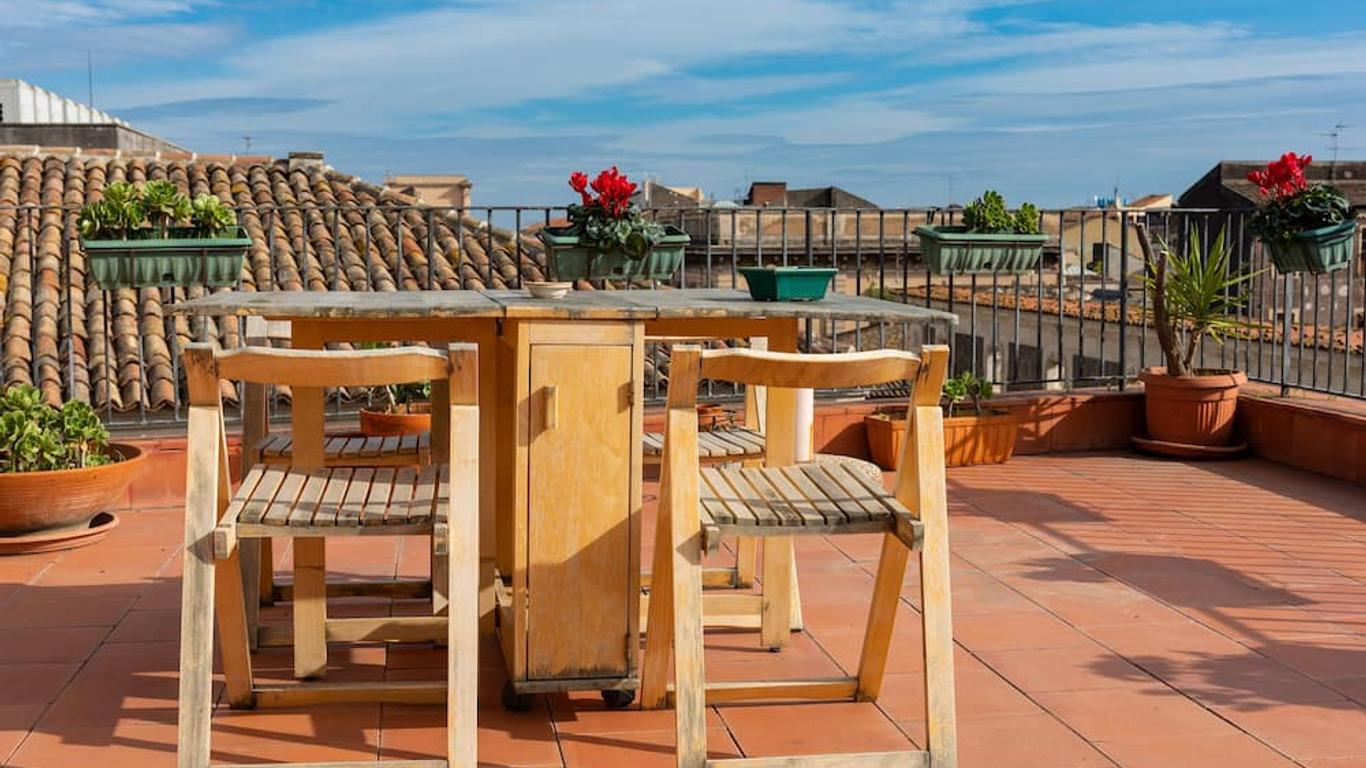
column 1191, row 410
column 985, row 439
column 968, row 440
column 64, row 498
column 386, row 424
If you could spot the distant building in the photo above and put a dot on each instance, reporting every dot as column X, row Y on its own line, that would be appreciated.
column 1225, row 187
column 652, row 194
column 775, row 194
column 37, row 117
column 445, row 190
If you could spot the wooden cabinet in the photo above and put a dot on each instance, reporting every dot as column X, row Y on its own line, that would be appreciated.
column 569, row 497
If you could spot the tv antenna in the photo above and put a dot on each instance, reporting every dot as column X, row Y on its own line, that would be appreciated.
column 246, row 145
column 1333, row 139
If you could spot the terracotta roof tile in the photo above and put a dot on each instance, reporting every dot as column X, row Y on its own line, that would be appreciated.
column 328, row 230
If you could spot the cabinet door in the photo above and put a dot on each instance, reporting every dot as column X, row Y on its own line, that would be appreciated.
column 578, row 511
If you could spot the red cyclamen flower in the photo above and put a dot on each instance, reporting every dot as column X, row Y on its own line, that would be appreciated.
column 578, row 181
column 1283, row 177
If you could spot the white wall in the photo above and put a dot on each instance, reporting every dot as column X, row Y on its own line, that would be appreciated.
column 26, row 103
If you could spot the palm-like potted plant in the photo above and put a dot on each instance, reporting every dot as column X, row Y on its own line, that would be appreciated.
column 990, row 239
column 608, row 237
column 980, row 435
column 1304, row 227
column 407, row 410
column 155, row 235
column 1195, row 296
column 58, row 470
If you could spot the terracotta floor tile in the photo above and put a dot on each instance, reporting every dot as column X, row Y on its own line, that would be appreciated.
column 1028, row 741
column 1203, row 751
column 37, row 683
column 334, row 733
column 49, row 644
column 89, row 702
column 584, row 712
column 980, row 693
column 1306, row 731
column 1010, row 631
column 1065, row 669
column 637, row 749
column 125, row 745
column 40, row 607
column 803, row 729
column 1131, row 714
column 16, row 720
column 140, row 626
column 1241, row 681
column 513, row 739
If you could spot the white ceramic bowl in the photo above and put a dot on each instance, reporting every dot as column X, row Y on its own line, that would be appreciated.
column 546, row 290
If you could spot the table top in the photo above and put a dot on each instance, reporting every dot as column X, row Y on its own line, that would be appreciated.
column 518, row 304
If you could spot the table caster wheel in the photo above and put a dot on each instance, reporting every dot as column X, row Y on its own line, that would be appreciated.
column 514, row 701
column 618, row 699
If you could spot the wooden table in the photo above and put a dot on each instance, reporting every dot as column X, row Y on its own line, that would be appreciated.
column 561, row 409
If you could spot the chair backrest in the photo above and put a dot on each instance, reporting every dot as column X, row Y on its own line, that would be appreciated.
column 205, row 367
column 783, row 372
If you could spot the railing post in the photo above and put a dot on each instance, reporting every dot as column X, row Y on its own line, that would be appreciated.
column 1123, row 300
column 1285, row 337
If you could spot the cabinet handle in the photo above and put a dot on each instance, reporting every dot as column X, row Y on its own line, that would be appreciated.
column 552, row 406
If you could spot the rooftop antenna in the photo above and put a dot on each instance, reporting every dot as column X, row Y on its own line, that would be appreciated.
column 1333, row 136
column 246, row 145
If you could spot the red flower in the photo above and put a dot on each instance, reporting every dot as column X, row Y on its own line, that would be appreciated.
column 1283, row 177
column 578, row 181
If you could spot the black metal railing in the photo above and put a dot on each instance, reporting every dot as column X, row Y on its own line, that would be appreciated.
column 1080, row 318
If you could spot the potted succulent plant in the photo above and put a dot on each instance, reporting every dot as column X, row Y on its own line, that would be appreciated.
column 1304, row 227
column 980, row 436
column 608, row 237
column 156, row 235
column 407, row 410
column 990, row 239
column 1189, row 411
column 57, row 471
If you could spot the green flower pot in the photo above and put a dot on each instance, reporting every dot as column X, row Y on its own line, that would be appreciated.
column 787, row 283
column 569, row 261
column 1318, row 251
column 179, row 260
column 956, row 250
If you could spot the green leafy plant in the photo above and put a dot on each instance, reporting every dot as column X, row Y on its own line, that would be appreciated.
column 1282, row 219
column 211, row 215
column 1194, row 295
column 129, row 212
column 966, row 386
column 402, row 398
column 35, row 437
column 988, row 215
column 165, row 205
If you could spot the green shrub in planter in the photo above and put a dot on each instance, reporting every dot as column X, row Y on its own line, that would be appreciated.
column 991, row 239
column 156, row 236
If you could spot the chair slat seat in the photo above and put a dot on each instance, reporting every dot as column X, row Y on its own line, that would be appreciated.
column 284, row 501
column 720, row 445
column 354, row 450
column 814, row 498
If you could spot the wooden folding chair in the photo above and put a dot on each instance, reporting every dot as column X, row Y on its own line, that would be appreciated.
column 699, row 505
column 309, row 504
column 745, row 445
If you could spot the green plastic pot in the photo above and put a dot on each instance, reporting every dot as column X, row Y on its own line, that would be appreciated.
column 787, row 283
column 179, row 260
column 1318, row 251
column 953, row 249
column 569, row 261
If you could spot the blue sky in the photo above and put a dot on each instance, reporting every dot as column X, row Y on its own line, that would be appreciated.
column 904, row 102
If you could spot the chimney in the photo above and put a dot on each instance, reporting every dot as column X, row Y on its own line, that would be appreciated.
column 303, row 161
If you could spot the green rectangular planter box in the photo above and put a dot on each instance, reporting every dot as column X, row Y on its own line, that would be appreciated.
column 1318, row 251
column 567, row 260
column 167, row 262
column 956, row 250
column 787, row 283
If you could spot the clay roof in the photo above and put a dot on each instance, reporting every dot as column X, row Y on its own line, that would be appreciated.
column 113, row 349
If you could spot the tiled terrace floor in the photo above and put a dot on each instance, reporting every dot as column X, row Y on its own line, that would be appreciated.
column 1109, row 610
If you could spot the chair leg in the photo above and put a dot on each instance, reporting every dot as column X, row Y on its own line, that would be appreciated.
column 797, row 624
column 776, row 612
column 690, row 694
column 462, row 674
column 267, row 582
column 746, row 553
column 250, row 556
column 877, row 638
column 659, row 625
column 310, row 607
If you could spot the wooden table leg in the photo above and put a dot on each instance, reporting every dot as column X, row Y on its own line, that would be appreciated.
column 781, row 607
column 310, row 561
